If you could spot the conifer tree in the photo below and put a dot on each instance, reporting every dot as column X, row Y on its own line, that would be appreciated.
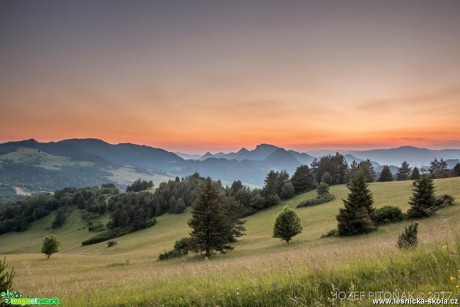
column 456, row 170
column 408, row 238
column 415, row 174
column 403, row 172
column 355, row 218
column 386, row 174
column 366, row 169
column 287, row 225
column 211, row 230
column 423, row 200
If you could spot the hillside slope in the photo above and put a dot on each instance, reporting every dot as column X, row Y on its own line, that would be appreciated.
column 259, row 267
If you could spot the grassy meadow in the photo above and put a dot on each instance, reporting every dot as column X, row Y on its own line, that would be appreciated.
column 260, row 271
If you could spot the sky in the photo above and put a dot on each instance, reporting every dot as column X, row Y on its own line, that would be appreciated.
column 197, row 76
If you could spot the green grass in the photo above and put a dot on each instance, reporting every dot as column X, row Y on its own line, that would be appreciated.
column 261, row 271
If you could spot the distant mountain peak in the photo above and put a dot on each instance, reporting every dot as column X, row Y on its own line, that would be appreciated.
column 266, row 146
column 280, row 154
column 206, row 156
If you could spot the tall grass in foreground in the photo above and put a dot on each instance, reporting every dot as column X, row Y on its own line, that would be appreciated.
column 426, row 269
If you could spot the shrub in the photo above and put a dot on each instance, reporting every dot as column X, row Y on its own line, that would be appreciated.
column 325, row 198
column 95, row 226
column 330, row 233
column 181, row 247
column 107, row 235
column 408, row 238
column 445, row 200
column 111, row 243
column 169, row 255
column 387, row 214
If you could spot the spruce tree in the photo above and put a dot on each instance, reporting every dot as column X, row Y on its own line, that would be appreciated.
column 408, row 238
column 423, row 200
column 386, row 174
column 271, row 184
column 415, row 174
column 211, row 230
column 287, row 225
column 366, row 169
column 355, row 218
column 403, row 172
column 456, row 170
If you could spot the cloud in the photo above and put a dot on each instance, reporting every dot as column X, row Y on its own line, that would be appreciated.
column 447, row 98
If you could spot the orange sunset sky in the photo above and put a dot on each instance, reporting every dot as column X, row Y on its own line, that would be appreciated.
column 197, row 76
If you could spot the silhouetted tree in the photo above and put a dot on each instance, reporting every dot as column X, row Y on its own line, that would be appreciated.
column 415, row 174
column 403, row 172
column 456, row 170
column 386, row 174
column 438, row 169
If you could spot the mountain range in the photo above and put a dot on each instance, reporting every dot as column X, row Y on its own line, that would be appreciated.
column 250, row 166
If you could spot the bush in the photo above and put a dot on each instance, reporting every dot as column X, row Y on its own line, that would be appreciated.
column 104, row 237
column 169, row 255
column 387, row 214
column 325, row 198
column 408, row 238
column 330, row 233
column 111, row 243
column 445, row 200
column 181, row 247
column 95, row 226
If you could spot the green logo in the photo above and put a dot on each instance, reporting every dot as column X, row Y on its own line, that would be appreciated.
column 16, row 298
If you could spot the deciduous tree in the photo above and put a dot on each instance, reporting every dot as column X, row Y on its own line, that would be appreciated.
column 50, row 246
column 287, row 225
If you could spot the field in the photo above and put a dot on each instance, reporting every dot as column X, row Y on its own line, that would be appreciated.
column 261, row 271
